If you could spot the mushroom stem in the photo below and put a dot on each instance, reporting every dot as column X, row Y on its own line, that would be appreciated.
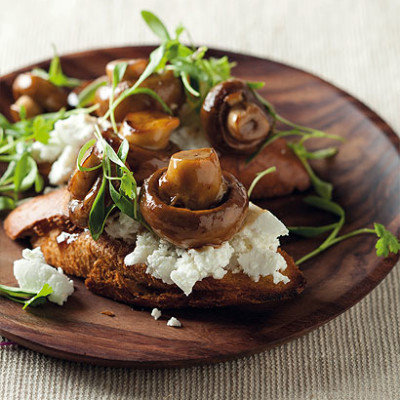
column 193, row 180
column 248, row 122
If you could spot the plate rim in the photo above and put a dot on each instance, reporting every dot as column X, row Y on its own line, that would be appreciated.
column 385, row 265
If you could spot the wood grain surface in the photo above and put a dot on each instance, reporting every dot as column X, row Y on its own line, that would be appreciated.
column 365, row 175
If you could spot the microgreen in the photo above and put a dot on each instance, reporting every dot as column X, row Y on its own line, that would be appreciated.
column 387, row 242
column 16, row 141
column 118, row 179
column 28, row 298
column 55, row 74
column 86, row 96
column 259, row 176
column 198, row 74
column 118, row 73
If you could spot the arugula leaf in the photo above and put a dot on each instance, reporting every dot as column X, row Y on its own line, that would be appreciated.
column 42, row 128
column 87, row 94
column 311, row 231
column 323, row 188
column 98, row 212
column 118, row 73
column 6, row 203
column 255, row 85
column 387, row 243
column 55, row 74
column 155, row 24
column 40, row 297
column 26, row 297
column 155, row 59
column 124, row 196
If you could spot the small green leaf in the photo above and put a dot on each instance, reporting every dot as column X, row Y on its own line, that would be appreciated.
column 98, row 212
column 56, row 75
column 311, row 231
column 41, row 73
column 6, row 203
column 388, row 243
column 42, row 128
column 40, row 297
column 325, row 204
column 155, row 24
column 20, row 171
column 82, row 153
column 118, row 73
column 87, row 94
column 39, row 182
column 255, row 85
column 321, row 154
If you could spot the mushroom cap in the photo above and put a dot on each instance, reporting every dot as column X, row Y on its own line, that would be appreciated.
column 234, row 120
column 187, row 228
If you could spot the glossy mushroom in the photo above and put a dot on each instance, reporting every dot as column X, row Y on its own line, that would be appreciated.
column 193, row 180
column 148, row 129
column 135, row 67
column 31, row 108
column 233, row 119
column 218, row 202
column 166, row 85
column 83, row 187
column 44, row 93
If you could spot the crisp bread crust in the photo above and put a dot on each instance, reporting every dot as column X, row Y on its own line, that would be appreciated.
column 101, row 264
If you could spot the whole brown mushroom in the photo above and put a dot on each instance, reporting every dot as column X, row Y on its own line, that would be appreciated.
column 31, row 108
column 165, row 84
column 192, row 203
column 135, row 68
column 41, row 91
column 233, row 119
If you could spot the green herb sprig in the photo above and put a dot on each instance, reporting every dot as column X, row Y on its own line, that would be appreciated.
column 258, row 177
column 16, row 140
column 323, row 188
column 55, row 75
column 198, row 74
column 27, row 298
column 387, row 242
column 115, row 171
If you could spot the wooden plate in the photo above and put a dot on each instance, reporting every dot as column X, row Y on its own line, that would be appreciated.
column 366, row 178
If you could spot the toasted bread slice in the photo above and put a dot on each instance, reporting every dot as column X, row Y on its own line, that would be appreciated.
column 102, row 265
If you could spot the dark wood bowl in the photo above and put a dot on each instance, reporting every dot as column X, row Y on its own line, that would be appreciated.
column 365, row 175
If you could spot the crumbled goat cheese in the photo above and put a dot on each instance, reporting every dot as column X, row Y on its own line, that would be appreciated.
column 252, row 250
column 190, row 137
column 66, row 139
column 174, row 322
column 155, row 313
column 67, row 237
column 32, row 272
column 121, row 226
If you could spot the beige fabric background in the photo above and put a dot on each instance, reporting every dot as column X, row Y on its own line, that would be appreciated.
column 354, row 44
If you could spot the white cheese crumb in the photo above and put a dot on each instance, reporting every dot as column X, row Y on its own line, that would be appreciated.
column 121, row 226
column 67, row 237
column 66, row 139
column 155, row 313
column 252, row 250
column 32, row 272
column 174, row 322
column 190, row 135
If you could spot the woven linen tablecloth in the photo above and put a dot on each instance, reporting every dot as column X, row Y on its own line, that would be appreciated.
column 355, row 45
